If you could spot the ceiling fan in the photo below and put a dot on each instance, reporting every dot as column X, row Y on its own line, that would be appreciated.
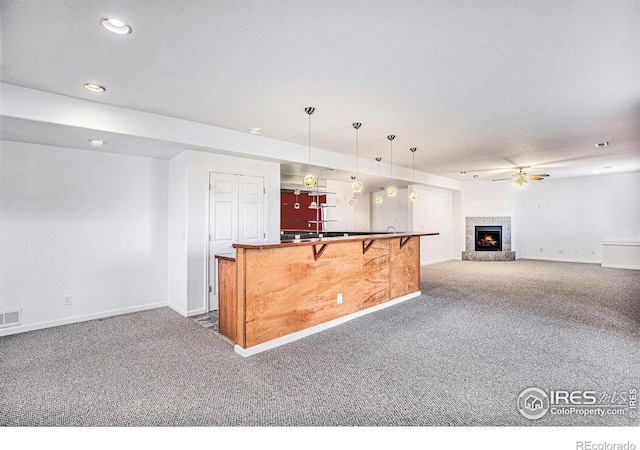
column 521, row 177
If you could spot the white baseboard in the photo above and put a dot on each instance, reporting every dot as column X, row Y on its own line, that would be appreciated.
column 540, row 258
column 177, row 309
column 438, row 261
column 621, row 266
column 77, row 319
column 196, row 312
column 318, row 328
column 187, row 313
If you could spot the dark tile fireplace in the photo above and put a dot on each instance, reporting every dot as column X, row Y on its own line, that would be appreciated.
column 488, row 239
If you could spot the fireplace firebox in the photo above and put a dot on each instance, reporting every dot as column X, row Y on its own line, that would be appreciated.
column 489, row 238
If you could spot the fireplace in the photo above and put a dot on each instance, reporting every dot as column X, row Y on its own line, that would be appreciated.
column 488, row 238
column 494, row 241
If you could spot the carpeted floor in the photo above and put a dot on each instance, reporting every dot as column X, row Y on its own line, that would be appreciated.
column 459, row 355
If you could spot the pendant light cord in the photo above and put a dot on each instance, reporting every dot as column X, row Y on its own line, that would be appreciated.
column 309, row 139
column 357, row 145
column 391, row 137
column 413, row 163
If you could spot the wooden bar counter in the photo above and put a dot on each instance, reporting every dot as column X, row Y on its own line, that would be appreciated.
column 273, row 293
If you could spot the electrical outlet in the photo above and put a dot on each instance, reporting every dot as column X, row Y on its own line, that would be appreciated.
column 340, row 298
column 67, row 300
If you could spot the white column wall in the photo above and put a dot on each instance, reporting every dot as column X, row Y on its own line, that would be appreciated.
column 490, row 199
column 196, row 219
column 177, row 233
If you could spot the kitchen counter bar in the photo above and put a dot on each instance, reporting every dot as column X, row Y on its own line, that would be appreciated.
column 275, row 292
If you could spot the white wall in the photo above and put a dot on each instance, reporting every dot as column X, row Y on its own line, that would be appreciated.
column 432, row 212
column 362, row 212
column 393, row 211
column 198, row 167
column 568, row 219
column 340, row 210
column 88, row 224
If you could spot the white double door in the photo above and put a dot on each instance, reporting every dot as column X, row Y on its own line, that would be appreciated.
column 236, row 214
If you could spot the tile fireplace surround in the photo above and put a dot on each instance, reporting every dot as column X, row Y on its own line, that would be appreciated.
column 470, row 236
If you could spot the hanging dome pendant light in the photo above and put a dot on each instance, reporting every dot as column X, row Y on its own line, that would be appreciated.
column 378, row 198
column 357, row 185
column 413, row 195
column 391, row 190
column 309, row 179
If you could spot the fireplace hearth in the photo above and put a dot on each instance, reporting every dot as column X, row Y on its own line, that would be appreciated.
column 488, row 239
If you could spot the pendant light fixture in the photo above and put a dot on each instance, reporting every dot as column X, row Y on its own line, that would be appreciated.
column 357, row 185
column 309, row 179
column 391, row 190
column 296, row 205
column 379, row 198
column 413, row 195
column 352, row 200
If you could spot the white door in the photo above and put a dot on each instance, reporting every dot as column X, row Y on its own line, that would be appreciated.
column 251, row 220
column 236, row 214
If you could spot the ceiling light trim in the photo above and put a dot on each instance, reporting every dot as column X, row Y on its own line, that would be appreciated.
column 94, row 87
column 116, row 26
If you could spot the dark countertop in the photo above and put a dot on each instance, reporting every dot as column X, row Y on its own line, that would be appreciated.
column 350, row 237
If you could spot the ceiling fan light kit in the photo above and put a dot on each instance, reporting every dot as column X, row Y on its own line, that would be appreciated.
column 520, row 178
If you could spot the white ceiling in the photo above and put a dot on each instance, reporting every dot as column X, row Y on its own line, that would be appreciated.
column 476, row 86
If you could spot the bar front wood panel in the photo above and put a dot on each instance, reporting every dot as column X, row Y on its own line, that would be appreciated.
column 287, row 290
column 227, row 302
column 404, row 267
column 284, row 290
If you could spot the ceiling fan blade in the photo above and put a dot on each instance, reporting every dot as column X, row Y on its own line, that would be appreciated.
column 502, row 179
column 540, row 175
column 536, row 178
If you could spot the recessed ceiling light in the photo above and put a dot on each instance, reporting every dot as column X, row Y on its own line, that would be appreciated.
column 602, row 144
column 116, row 26
column 255, row 130
column 97, row 142
column 94, row 87
column 475, row 176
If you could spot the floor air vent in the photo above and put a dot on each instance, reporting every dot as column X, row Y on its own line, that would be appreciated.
column 10, row 318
